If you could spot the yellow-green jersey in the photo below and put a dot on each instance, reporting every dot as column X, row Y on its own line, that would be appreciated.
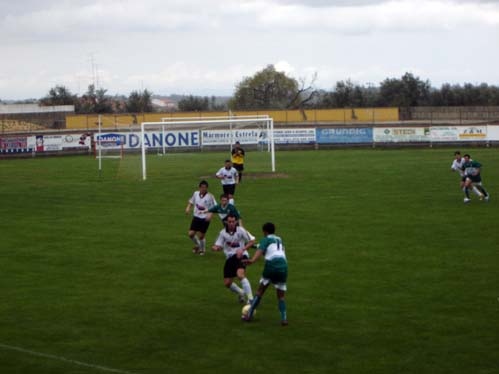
column 237, row 156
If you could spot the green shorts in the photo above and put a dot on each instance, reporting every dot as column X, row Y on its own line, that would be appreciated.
column 276, row 271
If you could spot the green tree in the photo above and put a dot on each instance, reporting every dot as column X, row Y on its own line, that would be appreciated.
column 270, row 89
column 194, row 104
column 139, row 102
column 95, row 101
column 59, row 95
column 405, row 92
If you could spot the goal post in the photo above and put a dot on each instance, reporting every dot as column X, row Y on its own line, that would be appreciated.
column 226, row 123
column 168, row 120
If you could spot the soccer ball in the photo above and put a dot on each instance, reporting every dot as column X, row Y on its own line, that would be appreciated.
column 245, row 310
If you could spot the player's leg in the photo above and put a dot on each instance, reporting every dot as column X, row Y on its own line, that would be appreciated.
column 204, row 224
column 466, row 190
column 230, row 190
column 230, row 272
column 264, row 283
column 192, row 236
column 482, row 189
column 202, row 243
column 476, row 189
column 239, row 168
column 484, row 192
column 281, row 304
column 241, row 274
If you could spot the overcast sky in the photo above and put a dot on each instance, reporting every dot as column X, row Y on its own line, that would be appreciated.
column 205, row 47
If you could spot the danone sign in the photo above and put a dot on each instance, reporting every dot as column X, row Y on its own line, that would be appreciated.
column 154, row 139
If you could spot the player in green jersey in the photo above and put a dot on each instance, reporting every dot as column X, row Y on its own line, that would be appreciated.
column 275, row 270
column 224, row 209
column 473, row 179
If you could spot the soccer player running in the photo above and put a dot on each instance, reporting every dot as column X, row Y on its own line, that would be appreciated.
column 202, row 201
column 229, row 177
column 275, row 270
column 224, row 209
column 472, row 170
column 457, row 165
column 235, row 242
column 237, row 158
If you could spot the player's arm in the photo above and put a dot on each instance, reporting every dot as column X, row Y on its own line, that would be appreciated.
column 218, row 244
column 219, row 174
column 255, row 257
column 188, row 208
column 240, row 251
column 213, row 209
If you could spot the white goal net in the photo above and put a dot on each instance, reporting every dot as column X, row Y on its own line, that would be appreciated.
column 210, row 132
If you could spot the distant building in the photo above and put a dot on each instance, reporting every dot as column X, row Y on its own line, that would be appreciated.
column 35, row 108
column 164, row 104
column 25, row 117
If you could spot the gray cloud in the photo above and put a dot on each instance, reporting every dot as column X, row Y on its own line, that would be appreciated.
column 192, row 46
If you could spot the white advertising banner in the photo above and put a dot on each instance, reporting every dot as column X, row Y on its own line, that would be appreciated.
column 65, row 142
column 153, row 139
column 291, row 136
column 444, row 134
column 227, row 137
column 258, row 136
column 472, row 133
column 76, row 141
column 50, row 142
column 493, row 133
column 401, row 134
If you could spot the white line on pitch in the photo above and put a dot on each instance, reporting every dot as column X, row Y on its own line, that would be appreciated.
column 59, row 358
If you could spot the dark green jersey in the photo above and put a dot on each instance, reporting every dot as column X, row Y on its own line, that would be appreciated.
column 224, row 212
column 276, row 265
column 272, row 248
column 471, row 168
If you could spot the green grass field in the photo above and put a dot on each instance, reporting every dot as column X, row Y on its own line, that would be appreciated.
column 389, row 272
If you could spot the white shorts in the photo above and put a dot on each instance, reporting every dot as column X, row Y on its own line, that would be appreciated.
column 277, row 286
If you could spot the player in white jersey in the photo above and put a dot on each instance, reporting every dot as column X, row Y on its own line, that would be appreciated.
column 229, row 177
column 457, row 165
column 235, row 242
column 202, row 201
column 275, row 270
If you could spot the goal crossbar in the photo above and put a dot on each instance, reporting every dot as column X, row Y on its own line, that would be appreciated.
column 229, row 120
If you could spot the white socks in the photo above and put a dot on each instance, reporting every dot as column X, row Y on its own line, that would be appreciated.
column 477, row 191
column 234, row 288
column 196, row 241
column 247, row 288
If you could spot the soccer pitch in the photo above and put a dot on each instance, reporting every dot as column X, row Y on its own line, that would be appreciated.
column 389, row 272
